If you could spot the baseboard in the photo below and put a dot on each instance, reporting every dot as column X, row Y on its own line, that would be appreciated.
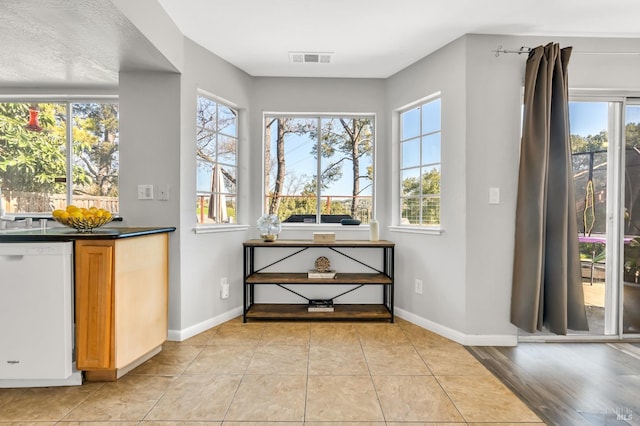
column 184, row 334
column 455, row 335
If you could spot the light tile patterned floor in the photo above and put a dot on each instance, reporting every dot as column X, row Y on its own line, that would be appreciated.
column 291, row 374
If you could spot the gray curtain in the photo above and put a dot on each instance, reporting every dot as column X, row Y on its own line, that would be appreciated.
column 547, row 288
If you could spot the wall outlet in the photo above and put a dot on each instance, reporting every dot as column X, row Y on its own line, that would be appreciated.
column 224, row 288
column 418, row 286
column 163, row 192
column 145, row 192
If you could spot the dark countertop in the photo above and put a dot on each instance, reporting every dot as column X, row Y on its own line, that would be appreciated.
column 59, row 234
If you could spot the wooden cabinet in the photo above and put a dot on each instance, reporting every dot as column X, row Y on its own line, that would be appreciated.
column 121, row 300
column 382, row 277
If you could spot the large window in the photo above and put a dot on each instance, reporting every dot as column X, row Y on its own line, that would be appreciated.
column 45, row 164
column 319, row 169
column 420, row 164
column 216, row 157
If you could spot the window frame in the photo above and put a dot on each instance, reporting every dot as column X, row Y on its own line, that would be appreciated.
column 69, row 101
column 208, row 226
column 419, row 104
column 319, row 117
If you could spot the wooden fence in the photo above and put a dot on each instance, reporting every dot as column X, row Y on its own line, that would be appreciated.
column 17, row 202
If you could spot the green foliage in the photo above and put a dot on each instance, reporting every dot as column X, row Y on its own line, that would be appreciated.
column 95, row 148
column 342, row 143
column 30, row 161
column 36, row 161
column 632, row 134
column 421, row 202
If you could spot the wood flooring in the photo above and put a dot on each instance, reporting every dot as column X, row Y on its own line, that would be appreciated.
column 571, row 383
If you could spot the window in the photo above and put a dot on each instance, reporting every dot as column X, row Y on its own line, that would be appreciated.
column 319, row 169
column 420, row 164
column 217, row 166
column 44, row 165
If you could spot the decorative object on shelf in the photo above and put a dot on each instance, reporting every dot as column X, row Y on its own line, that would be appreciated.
column 324, row 237
column 269, row 226
column 330, row 274
column 374, row 232
column 82, row 219
column 322, row 264
column 349, row 222
column 323, row 269
column 320, row 305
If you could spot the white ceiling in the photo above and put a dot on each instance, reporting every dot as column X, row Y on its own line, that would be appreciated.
column 87, row 42
column 377, row 38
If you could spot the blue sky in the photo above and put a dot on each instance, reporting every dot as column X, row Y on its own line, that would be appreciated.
column 588, row 118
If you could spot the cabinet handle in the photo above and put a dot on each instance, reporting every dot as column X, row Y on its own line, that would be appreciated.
column 12, row 257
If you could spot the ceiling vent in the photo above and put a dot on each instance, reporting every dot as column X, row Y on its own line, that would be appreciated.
column 309, row 57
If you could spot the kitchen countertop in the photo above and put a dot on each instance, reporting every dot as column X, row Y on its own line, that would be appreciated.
column 59, row 234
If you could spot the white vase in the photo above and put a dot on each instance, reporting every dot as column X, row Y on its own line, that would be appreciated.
column 374, row 232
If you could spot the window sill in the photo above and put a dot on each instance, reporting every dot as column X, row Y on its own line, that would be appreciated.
column 416, row 230
column 210, row 229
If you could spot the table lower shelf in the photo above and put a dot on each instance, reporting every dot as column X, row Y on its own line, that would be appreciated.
column 281, row 311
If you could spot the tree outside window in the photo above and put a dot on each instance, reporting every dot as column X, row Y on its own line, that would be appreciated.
column 420, row 132
column 35, row 175
column 319, row 169
column 216, row 158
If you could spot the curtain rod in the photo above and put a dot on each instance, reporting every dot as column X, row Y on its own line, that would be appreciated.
column 526, row 50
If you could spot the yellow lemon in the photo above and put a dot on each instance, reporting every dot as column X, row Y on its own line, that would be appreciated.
column 64, row 216
column 72, row 208
column 56, row 213
column 76, row 214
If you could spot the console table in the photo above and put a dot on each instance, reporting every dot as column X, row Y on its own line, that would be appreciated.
column 268, row 311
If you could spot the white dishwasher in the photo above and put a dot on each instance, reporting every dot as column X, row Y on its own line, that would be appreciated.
column 36, row 315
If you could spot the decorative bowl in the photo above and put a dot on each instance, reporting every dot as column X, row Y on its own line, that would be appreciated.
column 81, row 219
column 85, row 224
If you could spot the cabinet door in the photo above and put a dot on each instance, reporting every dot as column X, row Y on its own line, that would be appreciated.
column 94, row 304
column 141, row 296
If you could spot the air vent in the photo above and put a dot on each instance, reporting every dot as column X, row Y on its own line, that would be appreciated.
column 310, row 57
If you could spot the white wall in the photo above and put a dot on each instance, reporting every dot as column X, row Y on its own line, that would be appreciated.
column 206, row 258
column 149, row 152
column 438, row 260
column 317, row 95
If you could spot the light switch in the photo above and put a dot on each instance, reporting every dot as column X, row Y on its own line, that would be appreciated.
column 145, row 192
column 494, row 195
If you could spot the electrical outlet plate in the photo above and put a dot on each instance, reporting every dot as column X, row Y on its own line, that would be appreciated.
column 163, row 192
column 418, row 286
column 145, row 192
column 224, row 288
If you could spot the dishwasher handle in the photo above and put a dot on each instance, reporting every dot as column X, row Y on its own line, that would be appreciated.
column 12, row 257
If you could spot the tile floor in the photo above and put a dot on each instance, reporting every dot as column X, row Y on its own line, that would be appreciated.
column 288, row 373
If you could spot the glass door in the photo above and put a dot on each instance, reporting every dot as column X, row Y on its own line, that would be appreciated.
column 590, row 142
column 631, row 252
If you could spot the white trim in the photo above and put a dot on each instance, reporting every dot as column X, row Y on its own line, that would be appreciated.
column 457, row 336
column 59, row 98
column 416, row 230
column 418, row 102
column 216, row 99
column 184, row 334
column 211, row 229
column 320, row 115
